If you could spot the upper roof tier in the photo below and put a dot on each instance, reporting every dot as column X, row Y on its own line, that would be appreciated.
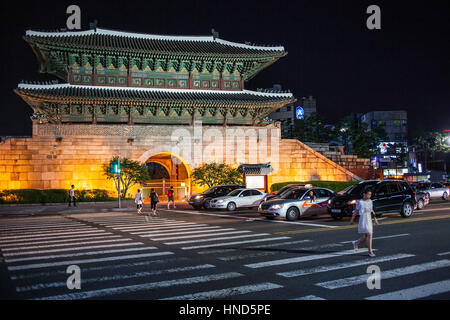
column 53, row 48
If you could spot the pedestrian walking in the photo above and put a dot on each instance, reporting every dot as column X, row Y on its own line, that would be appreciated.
column 364, row 208
column 153, row 202
column 72, row 196
column 139, row 201
column 170, row 197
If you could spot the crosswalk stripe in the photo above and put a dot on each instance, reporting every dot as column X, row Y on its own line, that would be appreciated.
column 214, row 251
column 109, row 245
column 233, row 243
column 302, row 259
column 385, row 274
column 144, row 223
column 168, row 229
column 217, row 239
column 42, row 226
column 384, row 237
column 141, row 287
column 262, row 254
column 117, row 277
column 310, row 297
column 416, row 292
column 46, row 274
column 222, row 293
column 89, row 253
column 95, row 260
column 182, row 231
column 280, row 244
column 200, row 235
column 48, row 234
column 65, row 244
column 73, row 236
column 302, row 272
column 444, row 253
column 155, row 226
column 62, row 242
column 37, row 233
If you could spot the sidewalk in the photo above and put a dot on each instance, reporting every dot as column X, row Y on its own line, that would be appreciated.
column 83, row 207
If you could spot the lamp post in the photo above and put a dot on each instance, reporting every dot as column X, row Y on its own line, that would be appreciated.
column 118, row 178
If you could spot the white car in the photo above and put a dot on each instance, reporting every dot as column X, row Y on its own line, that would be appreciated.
column 239, row 198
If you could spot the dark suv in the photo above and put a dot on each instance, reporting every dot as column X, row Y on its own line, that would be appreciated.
column 387, row 196
column 201, row 200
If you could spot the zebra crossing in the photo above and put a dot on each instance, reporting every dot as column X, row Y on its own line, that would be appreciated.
column 140, row 257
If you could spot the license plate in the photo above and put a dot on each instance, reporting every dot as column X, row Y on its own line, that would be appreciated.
column 336, row 210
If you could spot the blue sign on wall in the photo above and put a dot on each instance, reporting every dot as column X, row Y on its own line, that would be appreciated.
column 299, row 113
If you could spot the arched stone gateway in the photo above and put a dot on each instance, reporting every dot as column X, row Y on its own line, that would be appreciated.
column 167, row 169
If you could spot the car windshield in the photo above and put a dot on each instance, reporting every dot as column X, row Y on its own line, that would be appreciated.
column 282, row 190
column 358, row 189
column 211, row 190
column 293, row 193
column 234, row 192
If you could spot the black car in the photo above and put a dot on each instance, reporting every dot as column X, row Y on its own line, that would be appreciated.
column 201, row 200
column 387, row 196
column 422, row 198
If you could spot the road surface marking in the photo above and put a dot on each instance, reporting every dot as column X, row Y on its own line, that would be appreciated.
column 142, row 287
column 310, row 297
column 223, row 293
column 385, row 274
column 141, row 225
column 213, row 251
column 385, row 237
column 51, row 243
column 279, row 244
column 301, row 223
column 109, row 245
column 169, row 229
column 74, row 236
column 65, row 245
column 98, row 268
column 416, row 292
column 183, row 231
column 444, row 253
column 203, row 235
column 117, row 277
column 69, row 262
column 48, row 234
column 150, row 227
column 89, row 253
column 38, row 233
column 303, row 272
column 303, row 259
column 58, row 225
column 217, row 239
column 217, row 215
column 232, row 243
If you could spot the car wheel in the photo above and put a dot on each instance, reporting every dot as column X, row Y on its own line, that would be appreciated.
column 444, row 196
column 420, row 204
column 231, row 206
column 197, row 207
column 292, row 214
column 407, row 210
column 428, row 195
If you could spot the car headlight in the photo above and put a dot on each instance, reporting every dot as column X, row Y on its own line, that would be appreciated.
column 219, row 201
column 276, row 206
column 329, row 201
column 351, row 202
column 197, row 197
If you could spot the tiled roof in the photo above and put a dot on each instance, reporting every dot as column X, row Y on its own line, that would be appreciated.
column 68, row 90
column 261, row 168
column 111, row 39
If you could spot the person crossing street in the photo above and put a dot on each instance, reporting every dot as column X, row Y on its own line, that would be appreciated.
column 139, row 201
column 170, row 197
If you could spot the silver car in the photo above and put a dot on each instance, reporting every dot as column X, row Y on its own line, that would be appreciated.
column 297, row 202
column 434, row 190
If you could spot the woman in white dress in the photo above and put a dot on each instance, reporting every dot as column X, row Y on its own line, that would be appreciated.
column 139, row 201
column 364, row 208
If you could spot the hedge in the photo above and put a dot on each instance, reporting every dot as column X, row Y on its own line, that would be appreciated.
column 52, row 196
column 333, row 185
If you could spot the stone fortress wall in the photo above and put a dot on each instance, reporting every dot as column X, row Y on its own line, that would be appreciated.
column 58, row 156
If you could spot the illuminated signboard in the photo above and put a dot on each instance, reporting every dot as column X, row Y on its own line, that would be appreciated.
column 255, row 182
column 299, row 113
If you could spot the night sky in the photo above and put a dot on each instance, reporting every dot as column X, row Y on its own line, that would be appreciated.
column 331, row 54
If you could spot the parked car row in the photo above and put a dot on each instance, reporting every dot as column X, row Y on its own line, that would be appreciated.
column 298, row 200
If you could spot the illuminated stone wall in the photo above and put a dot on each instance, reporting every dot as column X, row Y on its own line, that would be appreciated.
column 47, row 162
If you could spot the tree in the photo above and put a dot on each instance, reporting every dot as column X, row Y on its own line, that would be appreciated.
column 313, row 129
column 433, row 142
column 131, row 173
column 212, row 174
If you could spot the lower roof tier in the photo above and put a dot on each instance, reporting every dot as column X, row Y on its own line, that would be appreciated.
column 73, row 103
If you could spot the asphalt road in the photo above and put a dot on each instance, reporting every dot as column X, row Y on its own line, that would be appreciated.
column 190, row 254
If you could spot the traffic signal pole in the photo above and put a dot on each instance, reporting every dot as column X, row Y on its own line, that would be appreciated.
column 118, row 178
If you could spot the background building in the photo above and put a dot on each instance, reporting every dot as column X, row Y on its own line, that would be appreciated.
column 300, row 109
column 393, row 157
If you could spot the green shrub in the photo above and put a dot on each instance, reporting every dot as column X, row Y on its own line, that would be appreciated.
column 27, row 196
column 333, row 185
